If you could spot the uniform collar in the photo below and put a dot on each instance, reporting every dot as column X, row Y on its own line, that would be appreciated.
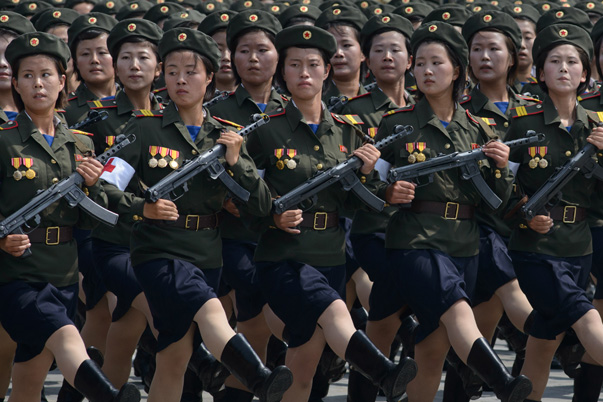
column 241, row 95
column 124, row 105
column 295, row 117
column 551, row 116
column 425, row 115
column 28, row 129
column 171, row 116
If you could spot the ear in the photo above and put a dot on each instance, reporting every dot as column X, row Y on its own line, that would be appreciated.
column 327, row 70
column 62, row 80
column 158, row 70
column 209, row 77
column 583, row 77
column 409, row 65
column 16, row 85
column 541, row 77
column 456, row 73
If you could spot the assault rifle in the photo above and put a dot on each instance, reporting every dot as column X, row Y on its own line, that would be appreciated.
column 466, row 161
column 345, row 173
column 549, row 194
column 94, row 116
column 28, row 216
column 336, row 102
column 218, row 98
column 209, row 160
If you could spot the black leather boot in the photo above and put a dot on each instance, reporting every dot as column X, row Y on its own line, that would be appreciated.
column 208, row 369
column 368, row 360
column 360, row 388
column 472, row 384
column 234, row 395
column 587, row 384
column 94, row 385
column 486, row 363
column 269, row 386
column 69, row 394
column 453, row 388
column 516, row 339
column 407, row 332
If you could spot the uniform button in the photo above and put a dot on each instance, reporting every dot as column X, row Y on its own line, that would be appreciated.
column 194, row 152
column 568, row 153
column 319, row 166
column 316, row 147
column 447, row 146
column 230, row 172
column 522, row 226
column 362, row 179
column 135, row 217
column 55, row 180
column 53, row 161
column 506, row 124
column 86, row 191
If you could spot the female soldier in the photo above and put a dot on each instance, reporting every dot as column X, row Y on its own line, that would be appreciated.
column 300, row 255
column 434, row 264
column 250, row 38
column 552, row 253
column 41, row 291
column 178, row 263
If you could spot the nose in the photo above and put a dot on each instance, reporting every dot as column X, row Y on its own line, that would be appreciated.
column 339, row 52
column 226, row 56
column 253, row 56
column 388, row 55
column 94, row 58
column 38, row 82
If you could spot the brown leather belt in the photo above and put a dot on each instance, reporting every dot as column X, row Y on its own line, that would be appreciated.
column 319, row 220
column 51, row 236
column 568, row 214
column 189, row 222
column 448, row 210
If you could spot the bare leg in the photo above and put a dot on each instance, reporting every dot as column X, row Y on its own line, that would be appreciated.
column 7, row 354
column 29, row 377
column 337, row 326
column 214, row 327
column 383, row 332
column 461, row 328
column 590, row 332
column 302, row 361
column 68, row 349
column 539, row 354
column 98, row 320
column 363, row 287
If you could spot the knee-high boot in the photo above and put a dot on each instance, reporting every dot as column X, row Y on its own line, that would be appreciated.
column 364, row 356
column 454, row 391
column 486, row 363
column 69, row 394
column 208, row 369
column 234, row 395
column 240, row 359
column 360, row 388
column 91, row 382
column 587, row 384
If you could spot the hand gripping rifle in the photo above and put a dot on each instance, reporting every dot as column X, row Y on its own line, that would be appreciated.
column 209, row 160
column 345, row 173
column 94, row 116
column 466, row 161
column 28, row 216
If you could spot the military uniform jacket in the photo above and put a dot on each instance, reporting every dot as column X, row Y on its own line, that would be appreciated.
column 3, row 117
column 165, row 129
column 566, row 240
column 407, row 230
column 287, row 136
column 77, row 109
column 238, row 108
column 22, row 144
column 333, row 91
column 481, row 107
column 120, row 111
column 594, row 101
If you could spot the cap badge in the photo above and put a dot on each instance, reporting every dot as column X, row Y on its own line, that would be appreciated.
column 56, row 14
column 303, row 9
column 224, row 17
column 133, row 6
column 33, row 6
column 248, row 4
column 517, row 10
column 408, row 10
column 131, row 27
column 559, row 14
column 210, row 6
column 487, row 18
column 182, row 37
column 253, row 18
column 307, row 35
column 34, row 42
column 92, row 20
column 110, row 4
column 433, row 28
column 337, row 11
column 4, row 18
column 563, row 33
column 590, row 5
column 164, row 9
column 446, row 16
column 385, row 19
column 184, row 15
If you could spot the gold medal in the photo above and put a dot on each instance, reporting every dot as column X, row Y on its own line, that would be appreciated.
column 174, row 155
column 162, row 163
column 497, row 174
column 174, row 164
column 420, row 157
column 533, row 164
column 291, row 164
column 163, row 151
column 537, row 159
column 543, row 163
column 152, row 163
column 420, row 146
column 30, row 174
column 280, row 165
column 17, row 175
column 412, row 158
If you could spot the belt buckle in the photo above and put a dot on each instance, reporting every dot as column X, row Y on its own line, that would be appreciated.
column 573, row 213
column 456, row 210
column 316, row 215
column 194, row 227
column 52, row 229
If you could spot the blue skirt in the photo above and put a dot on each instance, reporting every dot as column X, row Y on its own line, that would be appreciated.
column 597, row 265
column 115, row 268
column 299, row 293
column 92, row 284
column 555, row 288
column 351, row 263
column 432, row 282
column 31, row 312
column 369, row 251
column 175, row 291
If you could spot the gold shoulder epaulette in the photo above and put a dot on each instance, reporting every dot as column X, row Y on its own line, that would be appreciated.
column 489, row 121
column 82, row 133
column 230, row 123
column 521, row 111
column 351, row 119
column 148, row 113
column 402, row 109
column 100, row 104
column 589, row 95
column 359, row 96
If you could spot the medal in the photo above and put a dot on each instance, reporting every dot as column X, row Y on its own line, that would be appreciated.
column 174, row 164
column 280, row 165
column 537, row 159
column 420, row 156
column 533, row 163
column 543, row 163
column 412, row 158
column 30, row 173
column 497, row 174
column 410, row 147
column 162, row 163
column 174, row 155
column 17, row 175
column 153, row 163
column 153, row 152
column 291, row 164
column 16, row 162
column 163, row 151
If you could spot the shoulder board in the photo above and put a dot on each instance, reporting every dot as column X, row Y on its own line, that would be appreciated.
column 99, row 104
column 155, row 91
column 489, row 121
column 359, row 96
column 280, row 113
column 72, row 96
column 589, row 95
column 532, row 80
column 230, row 123
column 529, row 98
column 8, row 125
column 471, row 117
column 596, row 117
column 465, row 99
column 351, row 119
column 521, row 111
column 148, row 113
column 283, row 97
column 82, row 133
column 402, row 109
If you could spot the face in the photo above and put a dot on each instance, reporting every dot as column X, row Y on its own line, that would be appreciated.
column 39, row 83
column 137, row 66
column 348, row 58
column 489, row 57
column 225, row 73
column 255, row 58
column 528, row 34
column 59, row 31
column 94, row 60
column 389, row 58
column 434, row 71
column 186, row 78
column 304, row 71
column 563, row 71
column 83, row 8
column 5, row 70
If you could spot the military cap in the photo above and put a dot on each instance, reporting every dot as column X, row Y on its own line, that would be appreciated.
column 216, row 21
column 478, row 7
column 34, row 43
column 298, row 11
column 183, row 19
column 85, row 22
column 493, row 20
column 414, row 11
column 382, row 23
column 275, row 9
column 342, row 13
column 400, row 3
column 500, row 3
column 185, row 3
column 522, row 11
column 162, row 11
column 251, row 19
column 17, row 23
column 55, row 16
column 72, row 3
column 597, row 31
column 362, row 4
column 32, row 7
column 331, row 3
column 562, row 15
column 110, row 7
column 9, row 4
column 133, row 9
column 242, row 5
column 561, row 34
column 442, row 32
column 591, row 7
column 452, row 14
column 306, row 36
column 377, row 9
column 314, row 3
column 545, row 6
column 133, row 27
column 212, row 6
column 190, row 39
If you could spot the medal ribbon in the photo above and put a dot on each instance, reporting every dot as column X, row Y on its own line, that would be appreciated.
column 474, row 146
column 410, row 147
column 532, row 152
column 28, row 162
column 343, row 149
column 16, row 162
column 420, row 146
column 291, row 153
column 110, row 140
column 153, row 150
column 163, row 151
column 279, row 152
column 174, row 154
column 542, row 151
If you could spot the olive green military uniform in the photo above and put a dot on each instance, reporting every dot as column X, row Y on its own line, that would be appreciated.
column 22, row 144
column 594, row 101
column 333, row 92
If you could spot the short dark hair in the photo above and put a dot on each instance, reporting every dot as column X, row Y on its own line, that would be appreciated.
column 513, row 51
column 142, row 41
column 459, row 84
column 278, row 76
column 598, row 54
column 235, row 43
column 368, row 43
column 61, row 99
column 88, row 34
column 209, row 69
column 337, row 27
column 539, row 63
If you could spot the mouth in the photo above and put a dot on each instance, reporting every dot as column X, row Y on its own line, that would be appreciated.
column 225, row 68
column 39, row 96
column 181, row 92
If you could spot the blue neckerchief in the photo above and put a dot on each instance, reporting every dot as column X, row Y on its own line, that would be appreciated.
column 502, row 106
column 11, row 115
column 262, row 106
column 444, row 123
column 314, row 127
column 194, row 132
column 568, row 128
column 49, row 139
column 108, row 98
